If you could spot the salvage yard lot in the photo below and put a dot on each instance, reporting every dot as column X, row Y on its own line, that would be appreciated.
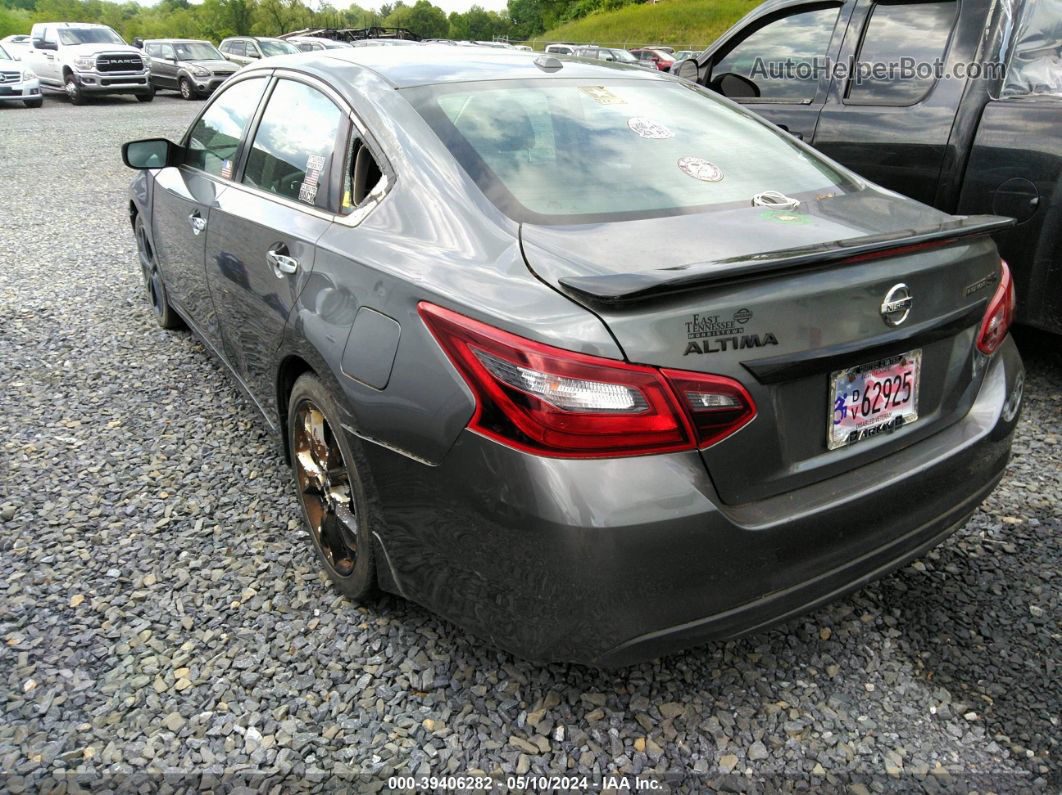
column 161, row 611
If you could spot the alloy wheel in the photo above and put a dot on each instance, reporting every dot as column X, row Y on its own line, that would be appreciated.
column 323, row 481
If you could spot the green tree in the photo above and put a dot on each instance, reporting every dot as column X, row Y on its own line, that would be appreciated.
column 423, row 18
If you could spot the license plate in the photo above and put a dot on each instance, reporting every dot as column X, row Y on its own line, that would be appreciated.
column 873, row 398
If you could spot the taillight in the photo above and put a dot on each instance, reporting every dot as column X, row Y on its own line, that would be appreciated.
column 717, row 405
column 554, row 402
column 999, row 315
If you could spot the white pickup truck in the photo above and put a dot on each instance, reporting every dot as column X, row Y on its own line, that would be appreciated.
column 82, row 59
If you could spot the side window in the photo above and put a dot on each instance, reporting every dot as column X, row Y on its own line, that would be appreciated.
column 780, row 58
column 213, row 142
column 292, row 151
column 362, row 176
column 51, row 35
column 167, row 51
column 237, row 48
column 225, row 46
column 152, row 50
column 253, row 50
column 898, row 35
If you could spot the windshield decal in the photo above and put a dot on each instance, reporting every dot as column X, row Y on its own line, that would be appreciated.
column 647, row 128
column 701, row 169
column 602, row 95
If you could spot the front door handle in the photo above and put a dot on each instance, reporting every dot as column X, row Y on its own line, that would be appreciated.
column 197, row 221
column 794, row 134
column 281, row 262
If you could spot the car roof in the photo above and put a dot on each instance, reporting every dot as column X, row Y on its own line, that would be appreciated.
column 175, row 41
column 404, row 67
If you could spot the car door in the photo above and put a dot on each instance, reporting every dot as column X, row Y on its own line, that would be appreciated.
column 46, row 62
column 185, row 197
column 263, row 232
column 893, row 128
column 784, row 53
column 237, row 52
column 169, row 66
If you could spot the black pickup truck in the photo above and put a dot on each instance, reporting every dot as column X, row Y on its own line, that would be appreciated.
column 955, row 103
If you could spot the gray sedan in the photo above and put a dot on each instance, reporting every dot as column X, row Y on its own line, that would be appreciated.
column 585, row 358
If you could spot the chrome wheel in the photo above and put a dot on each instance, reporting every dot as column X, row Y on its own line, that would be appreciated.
column 186, row 89
column 324, row 488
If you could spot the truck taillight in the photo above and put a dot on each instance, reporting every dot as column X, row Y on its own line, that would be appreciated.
column 999, row 315
column 555, row 402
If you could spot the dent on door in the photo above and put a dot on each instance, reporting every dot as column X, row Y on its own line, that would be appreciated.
column 181, row 212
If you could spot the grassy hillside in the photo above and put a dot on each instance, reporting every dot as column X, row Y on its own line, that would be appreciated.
column 683, row 24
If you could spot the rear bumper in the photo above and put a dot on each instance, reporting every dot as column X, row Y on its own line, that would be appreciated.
column 609, row 562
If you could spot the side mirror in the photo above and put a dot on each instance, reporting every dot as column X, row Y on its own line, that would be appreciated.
column 253, row 54
column 687, row 70
column 150, row 153
column 734, row 86
column 41, row 44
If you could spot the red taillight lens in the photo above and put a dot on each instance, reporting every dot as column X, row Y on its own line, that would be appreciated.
column 999, row 315
column 554, row 402
column 718, row 406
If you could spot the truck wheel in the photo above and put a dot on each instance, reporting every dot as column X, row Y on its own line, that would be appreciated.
column 34, row 103
column 184, row 85
column 147, row 96
column 73, row 91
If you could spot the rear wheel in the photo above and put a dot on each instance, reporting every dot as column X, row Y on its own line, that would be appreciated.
column 73, row 91
column 165, row 315
column 330, row 489
column 34, row 103
column 186, row 88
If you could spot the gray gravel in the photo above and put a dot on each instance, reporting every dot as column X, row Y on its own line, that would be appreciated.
column 161, row 613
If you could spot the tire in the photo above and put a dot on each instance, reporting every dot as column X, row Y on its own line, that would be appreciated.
column 165, row 315
column 186, row 89
column 33, row 103
column 147, row 96
column 73, row 91
column 328, row 476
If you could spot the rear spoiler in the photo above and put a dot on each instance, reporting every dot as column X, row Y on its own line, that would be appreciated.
column 620, row 288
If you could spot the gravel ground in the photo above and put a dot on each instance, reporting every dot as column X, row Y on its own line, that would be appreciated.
column 161, row 612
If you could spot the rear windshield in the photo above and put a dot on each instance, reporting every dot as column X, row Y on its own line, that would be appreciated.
column 556, row 152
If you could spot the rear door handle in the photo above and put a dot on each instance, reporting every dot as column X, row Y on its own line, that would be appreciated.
column 197, row 221
column 281, row 262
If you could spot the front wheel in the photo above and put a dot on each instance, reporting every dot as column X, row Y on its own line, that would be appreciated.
column 186, row 88
column 165, row 315
column 34, row 103
column 73, row 91
column 330, row 489
column 147, row 96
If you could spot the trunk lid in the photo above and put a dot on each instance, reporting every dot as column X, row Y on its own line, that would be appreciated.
column 773, row 299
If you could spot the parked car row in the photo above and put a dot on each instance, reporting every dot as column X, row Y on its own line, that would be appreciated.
column 85, row 59
column 657, row 57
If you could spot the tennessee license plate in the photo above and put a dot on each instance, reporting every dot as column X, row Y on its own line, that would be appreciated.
column 873, row 398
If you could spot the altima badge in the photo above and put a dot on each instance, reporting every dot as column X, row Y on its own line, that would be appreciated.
column 897, row 305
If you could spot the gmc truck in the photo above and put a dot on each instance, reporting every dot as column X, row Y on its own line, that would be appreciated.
column 955, row 104
column 81, row 60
